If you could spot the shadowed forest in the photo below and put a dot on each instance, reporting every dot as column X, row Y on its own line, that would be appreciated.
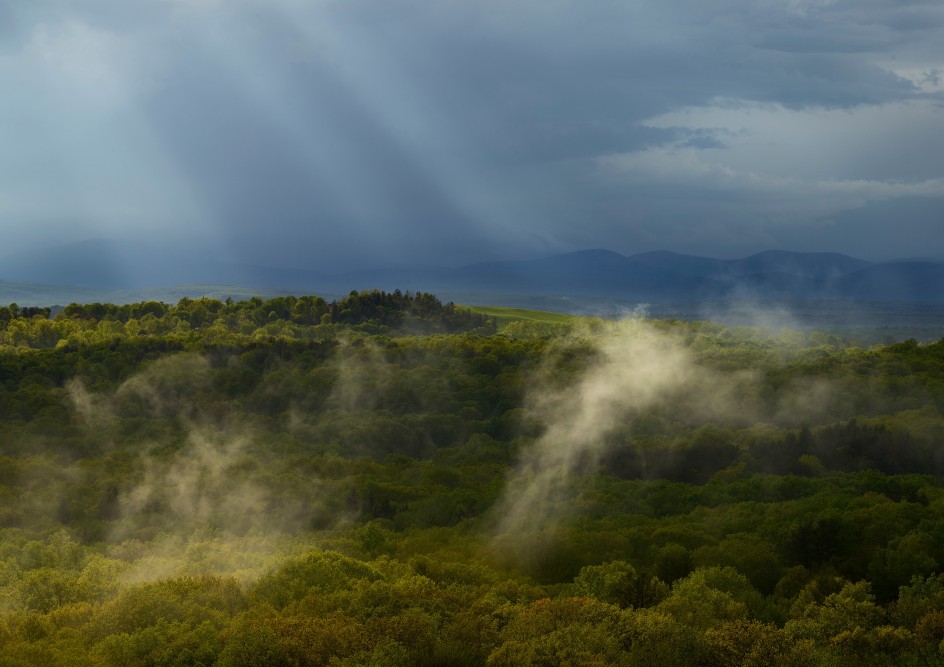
column 389, row 480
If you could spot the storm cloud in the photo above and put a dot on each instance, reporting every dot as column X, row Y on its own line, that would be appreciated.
column 332, row 134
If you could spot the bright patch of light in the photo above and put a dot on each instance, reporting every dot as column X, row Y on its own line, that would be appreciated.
column 892, row 143
column 791, row 165
column 78, row 158
column 925, row 79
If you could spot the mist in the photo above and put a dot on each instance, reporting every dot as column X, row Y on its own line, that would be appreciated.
column 647, row 372
column 635, row 368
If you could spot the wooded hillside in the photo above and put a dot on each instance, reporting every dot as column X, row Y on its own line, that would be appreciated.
column 387, row 479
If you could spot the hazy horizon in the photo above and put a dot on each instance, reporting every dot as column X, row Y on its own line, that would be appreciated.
column 117, row 245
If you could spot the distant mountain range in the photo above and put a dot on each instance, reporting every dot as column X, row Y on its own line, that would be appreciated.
column 101, row 267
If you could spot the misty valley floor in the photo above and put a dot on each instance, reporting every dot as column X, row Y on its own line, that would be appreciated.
column 386, row 479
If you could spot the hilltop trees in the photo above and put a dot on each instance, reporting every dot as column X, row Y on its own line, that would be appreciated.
column 318, row 483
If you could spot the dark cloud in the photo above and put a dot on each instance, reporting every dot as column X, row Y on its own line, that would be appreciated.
column 888, row 229
column 395, row 131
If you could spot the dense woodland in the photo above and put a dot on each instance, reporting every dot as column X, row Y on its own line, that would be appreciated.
column 297, row 482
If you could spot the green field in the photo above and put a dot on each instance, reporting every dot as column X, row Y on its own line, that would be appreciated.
column 503, row 316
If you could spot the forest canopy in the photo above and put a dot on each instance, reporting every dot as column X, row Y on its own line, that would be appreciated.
column 387, row 479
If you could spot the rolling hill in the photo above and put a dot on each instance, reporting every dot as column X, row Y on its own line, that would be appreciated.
column 110, row 268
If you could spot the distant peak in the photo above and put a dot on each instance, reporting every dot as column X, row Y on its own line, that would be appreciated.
column 664, row 254
column 592, row 257
column 782, row 254
column 593, row 252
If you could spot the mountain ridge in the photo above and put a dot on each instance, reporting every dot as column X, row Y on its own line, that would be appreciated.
column 102, row 264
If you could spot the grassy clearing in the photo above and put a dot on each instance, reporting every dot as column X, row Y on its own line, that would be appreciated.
column 504, row 316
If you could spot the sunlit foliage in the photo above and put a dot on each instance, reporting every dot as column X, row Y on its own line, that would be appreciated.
column 293, row 481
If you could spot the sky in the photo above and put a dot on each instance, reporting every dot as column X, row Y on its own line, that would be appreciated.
column 341, row 134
